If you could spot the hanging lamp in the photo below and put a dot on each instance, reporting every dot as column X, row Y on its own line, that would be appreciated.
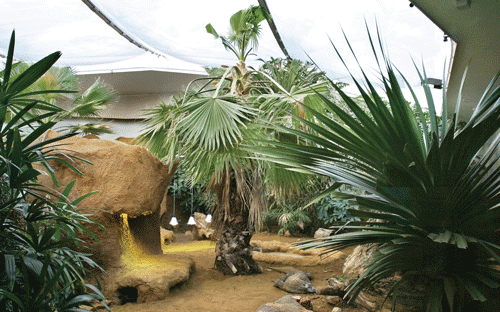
column 208, row 218
column 191, row 218
column 173, row 221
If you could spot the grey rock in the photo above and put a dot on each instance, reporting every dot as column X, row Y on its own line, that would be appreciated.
column 333, row 300
column 296, row 282
column 284, row 304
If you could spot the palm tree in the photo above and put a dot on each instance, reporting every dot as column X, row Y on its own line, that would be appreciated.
column 434, row 185
column 88, row 103
column 206, row 127
column 243, row 34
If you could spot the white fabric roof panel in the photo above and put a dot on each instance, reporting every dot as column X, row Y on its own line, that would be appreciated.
column 177, row 28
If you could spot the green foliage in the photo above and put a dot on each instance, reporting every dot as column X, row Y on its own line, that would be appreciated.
column 330, row 210
column 434, row 186
column 291, row 74
column 192, row 197
column 89, row 128
column 88, row 103
column 243, row 32
column 333, row 207
column 290, row 217
column 210, row 123
column 39, row 270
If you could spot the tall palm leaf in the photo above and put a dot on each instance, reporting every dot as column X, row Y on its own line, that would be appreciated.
column 433, row 185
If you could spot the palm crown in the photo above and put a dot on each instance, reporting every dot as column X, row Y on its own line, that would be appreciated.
column 244, row 32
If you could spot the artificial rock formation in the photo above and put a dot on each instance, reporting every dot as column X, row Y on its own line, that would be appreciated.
column 131, row 184
column 129, row 179
column 202, row 228
column 166, row 206
column 167, row 237
column 280, row 253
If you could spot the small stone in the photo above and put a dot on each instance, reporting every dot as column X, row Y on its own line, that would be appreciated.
column 189, row 235
column 336, row 309
column 167, row 237
column 322, row 233
column 333, row 300
column 286, row 303
column 336, row 283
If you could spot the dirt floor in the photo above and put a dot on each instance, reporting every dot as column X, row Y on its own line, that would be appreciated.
column 210, row 291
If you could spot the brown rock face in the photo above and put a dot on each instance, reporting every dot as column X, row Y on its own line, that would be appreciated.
column 202, row 227
column 129, row 179
column 167, row 237
column 166, row 206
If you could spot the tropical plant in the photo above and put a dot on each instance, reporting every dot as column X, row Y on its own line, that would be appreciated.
column 330, row 210
column 88, row 128
column 290, row 217
column 333, row 207
column 434, row 185
column 39, row 269
column 243, row 32
column 208, row 125
column 88, row 103
column 189, row 195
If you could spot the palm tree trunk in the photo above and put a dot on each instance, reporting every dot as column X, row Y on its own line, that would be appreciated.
column 233, row 250
column 274, row 29
column 234, row 253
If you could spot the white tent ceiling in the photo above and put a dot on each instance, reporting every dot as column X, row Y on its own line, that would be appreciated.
column 176, row 28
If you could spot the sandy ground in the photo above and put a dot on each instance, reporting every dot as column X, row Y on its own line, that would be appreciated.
column 210, row 291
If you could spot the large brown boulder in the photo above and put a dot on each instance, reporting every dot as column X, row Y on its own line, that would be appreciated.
column 166, row 206
column 129, row 179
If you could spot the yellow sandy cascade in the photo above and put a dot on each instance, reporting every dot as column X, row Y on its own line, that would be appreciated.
column 135, row 259
column 132, row 256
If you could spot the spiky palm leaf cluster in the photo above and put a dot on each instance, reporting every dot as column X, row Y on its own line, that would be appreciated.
column 434, row 186
column 89, row 103
column 39, row 269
